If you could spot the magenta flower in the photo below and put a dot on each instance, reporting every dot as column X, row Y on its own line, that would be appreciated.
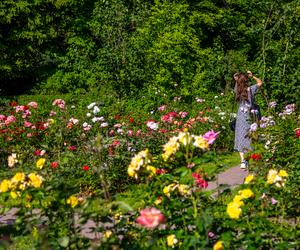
column 210, row 136
column 273, row 201
column 150, row 218
column 162, row 108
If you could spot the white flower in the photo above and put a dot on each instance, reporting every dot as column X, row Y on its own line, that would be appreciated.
column 152, row 125
column 104, row 124
column 88, row 114
column 91, row 105
column 96, row 110
column 253, row 127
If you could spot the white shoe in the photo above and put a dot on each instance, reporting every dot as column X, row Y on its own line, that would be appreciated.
column 244, row 165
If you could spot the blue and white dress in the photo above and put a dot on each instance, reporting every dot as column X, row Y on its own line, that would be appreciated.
column 242, row 141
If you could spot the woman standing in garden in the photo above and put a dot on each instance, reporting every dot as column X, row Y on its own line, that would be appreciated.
column 244, row 94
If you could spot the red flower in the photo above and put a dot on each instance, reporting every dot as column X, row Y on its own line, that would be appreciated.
column 72, row 148
column 199, row 181
column 116, row 143
column 297, row 132
column 256, row 157
column 54, row 164
column 13, row 104
column 131, row 120
column 160, row 171
column 86, row 168
column 150, row 218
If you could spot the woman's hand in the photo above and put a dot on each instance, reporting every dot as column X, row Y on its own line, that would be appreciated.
column 249, row 73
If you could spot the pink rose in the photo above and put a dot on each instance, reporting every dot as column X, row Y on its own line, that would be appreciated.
column 150, row 218
column 33, row 105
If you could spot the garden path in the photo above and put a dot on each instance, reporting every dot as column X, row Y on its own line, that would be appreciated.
column 228, row 179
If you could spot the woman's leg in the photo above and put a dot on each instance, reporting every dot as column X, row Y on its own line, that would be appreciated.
column 242, row 156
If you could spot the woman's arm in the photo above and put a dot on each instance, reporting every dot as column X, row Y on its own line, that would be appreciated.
column 259, row 82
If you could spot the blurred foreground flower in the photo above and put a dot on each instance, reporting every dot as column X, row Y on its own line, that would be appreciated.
column 72, row 201
column 211, row 136
column 171, row 240
column 150, row 218
column 12, row 160
column 40, row 163
column 277, row 178
column 218, row 245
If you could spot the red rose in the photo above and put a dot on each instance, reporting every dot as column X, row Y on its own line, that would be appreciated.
column 54, row 164
column 131, row 120
column 86, row 168
column 297, row 132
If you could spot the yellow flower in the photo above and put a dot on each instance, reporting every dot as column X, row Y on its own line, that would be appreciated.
column 200, row 142
column 238, row 200
column 283, row 173
column 271, row 176
column 249, row 178
column 72, row 201
column 168, row 189
column 158, row 201
column 107, row 234
column 35, row 180
column 5, row 186
column 152, row 170
column 40, row 163
column 246, row 193
column 218, row 245
column 183, row 189
column 184, row 138
column 233, row 210
column 131, row 172
column 14, row 194
column 19, row 177
column 171, row 240
column 170, row 148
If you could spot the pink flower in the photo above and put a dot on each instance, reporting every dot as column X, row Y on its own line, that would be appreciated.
column 10, row 119
column 297, row 132
column 183, row 114
column 138, row 133
column 2, row 117
column 130, row 132
column 72, row 148
column 27, row 124
column 52, row 113
column 273, row 201
column 210, row 136
column 162, row 108
column 33, row 105
column 211, row 234
column 152, row 124
column 111, row 132
column 116, row 143
column 59, row 102
column 150, row 218
column 169, row 117
column 26, row 113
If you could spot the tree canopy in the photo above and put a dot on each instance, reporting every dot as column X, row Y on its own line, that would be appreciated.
column 58, row 46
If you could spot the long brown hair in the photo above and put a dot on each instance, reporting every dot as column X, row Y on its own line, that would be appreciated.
column 242, row 88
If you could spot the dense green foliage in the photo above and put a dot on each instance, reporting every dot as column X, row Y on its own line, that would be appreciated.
column 124, row 46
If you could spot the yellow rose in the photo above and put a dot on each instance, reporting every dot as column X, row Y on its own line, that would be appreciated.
column 5, row 186
column 233, row 210
column 246, row 193
column 249, row 178
column 72, row 201
column 19, row 177
column 40, row 163
column 107, row 234
column 168, row 189
column 183, row 189
column 218, row 245
column 171, row 240
column 152, row 170
column 238, row 200
column 271, row 176
column 283, row 173
column 14, row 194
column 35, row 180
